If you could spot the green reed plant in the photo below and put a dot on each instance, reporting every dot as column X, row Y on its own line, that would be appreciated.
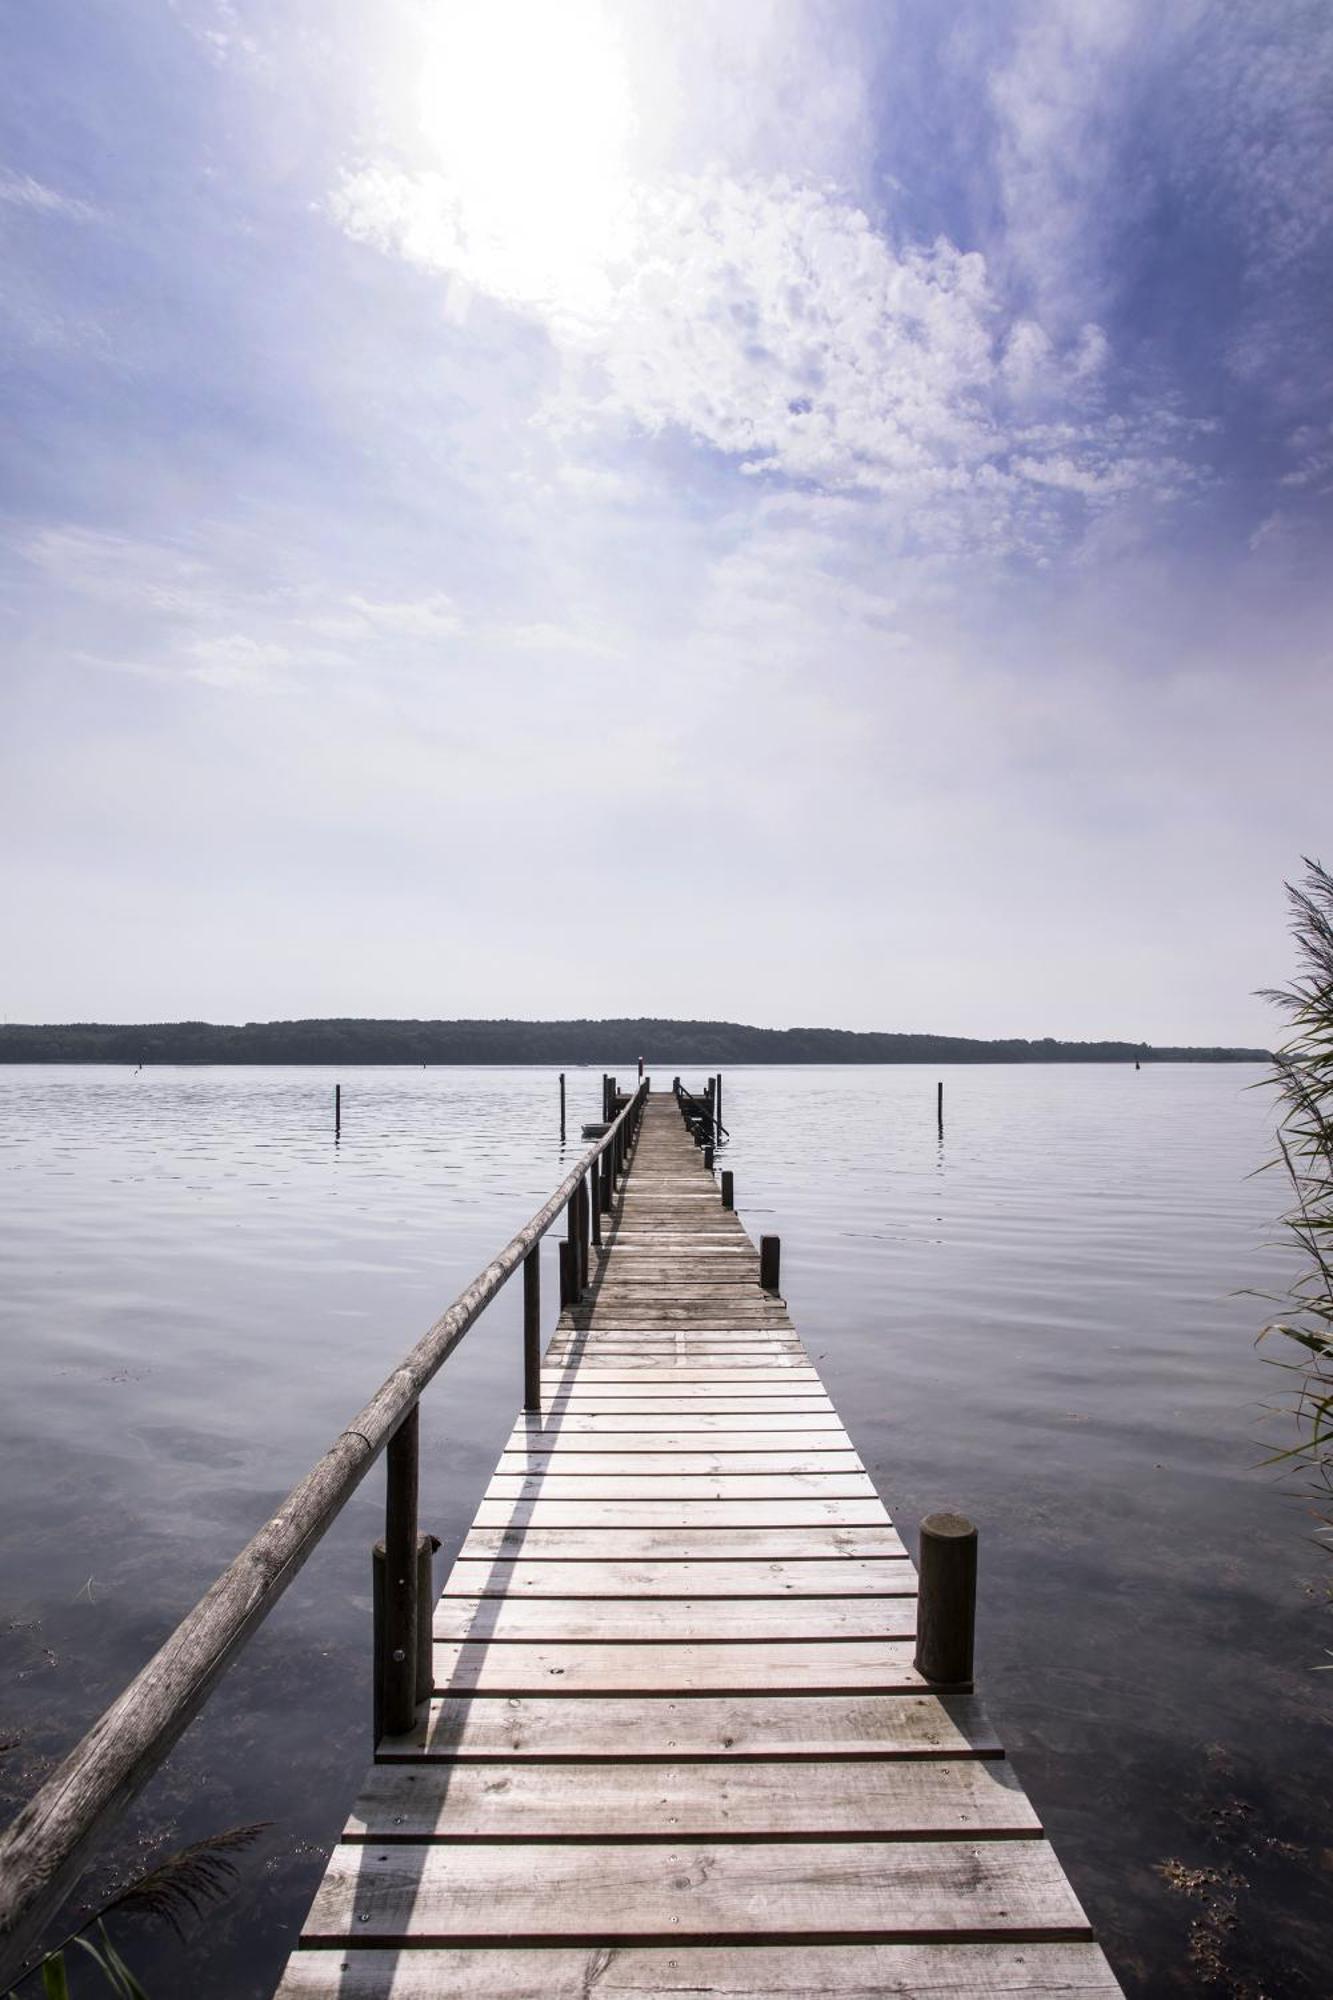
column 1303, row 1077
column 182, row 1887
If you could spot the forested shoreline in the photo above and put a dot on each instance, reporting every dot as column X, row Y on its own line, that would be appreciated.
column 570, row 1042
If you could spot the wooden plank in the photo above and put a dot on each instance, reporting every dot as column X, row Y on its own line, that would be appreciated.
column 538, row 1429
column 603, row 1891
column 683, row 1447
column 810, row 1666
column 721, row 1972
column 675, row 1726
column 602, row 1621
column 681, row 1486
column 570, row 1461
column 792, row 1511
column 570, row 1545
column 691, row 1801
column 732, row 1577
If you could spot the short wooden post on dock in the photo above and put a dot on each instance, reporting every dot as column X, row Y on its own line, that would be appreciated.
column 337, row 1111
column 398, row 1692
column 947, row 1601
column 708, row 1159
column 728, row 1188
column 532, row 1329
column 770, row 1263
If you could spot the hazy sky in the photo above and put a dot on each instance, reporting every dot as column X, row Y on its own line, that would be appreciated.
column 808, row 513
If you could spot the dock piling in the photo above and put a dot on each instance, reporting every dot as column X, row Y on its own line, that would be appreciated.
column 398, row 1694
column 939, row 1108
column 337, row 1111
column 532, row 1329
column 770, row 1263
column 947, row 1604
column 728, row 1188
column 562, row 1107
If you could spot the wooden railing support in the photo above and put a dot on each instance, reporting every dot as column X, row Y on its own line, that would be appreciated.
column 770, row 1263
column 532, row 1329
column 947, row 1602
column 728, row 1188
column 595, row 1206
column 572, row 1236
column 398, row 1688
column 566, row 1254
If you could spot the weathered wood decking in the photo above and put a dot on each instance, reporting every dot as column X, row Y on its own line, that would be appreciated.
column 678, row 1745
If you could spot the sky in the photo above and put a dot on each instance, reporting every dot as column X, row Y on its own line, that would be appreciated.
column 794, row 511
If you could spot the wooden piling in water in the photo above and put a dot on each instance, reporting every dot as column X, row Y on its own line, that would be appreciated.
column 947, row 1607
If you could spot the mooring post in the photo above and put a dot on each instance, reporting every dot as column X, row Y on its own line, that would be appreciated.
column 562, row 1107
column 708, row 1159
column 398, row 1694
column 532, row 1329
column 717, row 1101
column 337, row 1111
column 939, row 1108
column 947, row 1601
column 770, row 1262
column 728, row 1189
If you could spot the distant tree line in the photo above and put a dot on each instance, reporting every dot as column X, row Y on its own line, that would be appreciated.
column 569, row 1042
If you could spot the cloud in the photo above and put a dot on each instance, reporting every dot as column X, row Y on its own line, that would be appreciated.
column 773, row 323
column 434, row 617
column 21, row 191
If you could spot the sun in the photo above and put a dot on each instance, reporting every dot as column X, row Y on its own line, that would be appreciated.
column 524, row 110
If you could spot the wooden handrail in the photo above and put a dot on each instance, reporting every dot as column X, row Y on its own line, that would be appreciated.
column 44, row 1849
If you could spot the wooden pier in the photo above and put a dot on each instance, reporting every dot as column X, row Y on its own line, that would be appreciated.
column 677, row 1742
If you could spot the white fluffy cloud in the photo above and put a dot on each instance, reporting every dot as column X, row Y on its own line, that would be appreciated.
column 772, row 322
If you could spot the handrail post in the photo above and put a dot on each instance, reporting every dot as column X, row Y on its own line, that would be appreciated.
column 566, row 1273
column 595, row 1204
column 585, row 1234
column 572, row 1237
column 532, row 1329
column 398, row 1690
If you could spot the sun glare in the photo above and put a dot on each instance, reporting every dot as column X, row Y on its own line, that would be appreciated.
column 524, row 107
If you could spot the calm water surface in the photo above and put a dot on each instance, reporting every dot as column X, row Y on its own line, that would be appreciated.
column 1036, row 1320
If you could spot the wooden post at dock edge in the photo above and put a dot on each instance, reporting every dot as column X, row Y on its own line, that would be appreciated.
column 398, row 1685
column 728, row 1188
column 947, row 1600
column 717, row 1104
column 770, row 1263
column 337, row 1111
column 532, row 1329
column 562, row 1107
column 939, row 1108
column 708, row 1159
column 566, row 1251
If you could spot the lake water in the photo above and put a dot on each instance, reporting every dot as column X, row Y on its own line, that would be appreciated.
column 1036, row 1320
